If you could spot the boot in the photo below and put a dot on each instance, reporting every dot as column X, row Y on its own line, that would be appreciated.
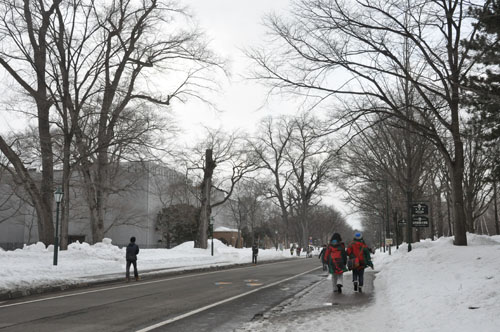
column 137, row 278
column 359, row 289
column 127, row 279
column 339, row 288
column 355, row 286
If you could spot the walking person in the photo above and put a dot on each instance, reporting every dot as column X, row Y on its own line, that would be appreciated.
column 291, row 249
column 336, row 258
column 321, row 257
column 299, row 249
column 359, row 253
column 131, row 257
column 255, row 252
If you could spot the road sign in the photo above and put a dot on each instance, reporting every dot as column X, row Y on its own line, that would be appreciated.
column 420, row 209
column 420, row 221
column 388, row 241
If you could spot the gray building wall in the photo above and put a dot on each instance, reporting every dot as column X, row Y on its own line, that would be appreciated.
column 141, row 190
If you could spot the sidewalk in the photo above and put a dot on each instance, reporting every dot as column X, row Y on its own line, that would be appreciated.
column 318, row 300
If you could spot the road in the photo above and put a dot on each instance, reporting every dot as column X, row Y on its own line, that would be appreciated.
column 209, row 301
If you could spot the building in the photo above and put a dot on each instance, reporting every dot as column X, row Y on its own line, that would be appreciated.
column 138, row 193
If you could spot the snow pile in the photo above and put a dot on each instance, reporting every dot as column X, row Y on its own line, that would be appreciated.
column 440, row 287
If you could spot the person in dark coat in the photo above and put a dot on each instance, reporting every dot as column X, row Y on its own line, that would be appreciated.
column 131, row 257
column 255, row 252
column 321, row 257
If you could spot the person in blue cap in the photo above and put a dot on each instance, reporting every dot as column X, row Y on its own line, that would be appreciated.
column 359, row 253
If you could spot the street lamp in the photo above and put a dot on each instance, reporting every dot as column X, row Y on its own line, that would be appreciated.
column 58, row 194
column 212, row 232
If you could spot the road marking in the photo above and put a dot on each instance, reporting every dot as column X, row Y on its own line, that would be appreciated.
column 253, row 284
column 187, row 314
column 223, row 283
column 124, row 286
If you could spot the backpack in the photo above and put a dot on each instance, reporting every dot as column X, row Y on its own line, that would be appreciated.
column 335, row 260
column 355, row 261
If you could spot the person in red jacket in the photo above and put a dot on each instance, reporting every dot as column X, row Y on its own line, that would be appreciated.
column 358, row 251
column 336, row 258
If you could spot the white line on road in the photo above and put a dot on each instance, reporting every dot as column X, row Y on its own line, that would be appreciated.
column 187, row 314
column 122, row 286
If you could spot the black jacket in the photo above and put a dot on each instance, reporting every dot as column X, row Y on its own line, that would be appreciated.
column 132, row 251
column 255, row 250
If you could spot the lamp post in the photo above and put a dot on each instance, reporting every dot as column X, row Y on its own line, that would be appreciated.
column 58, row 194
column 212, row 232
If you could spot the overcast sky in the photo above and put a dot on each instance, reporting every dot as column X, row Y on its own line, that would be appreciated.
column 232, row 25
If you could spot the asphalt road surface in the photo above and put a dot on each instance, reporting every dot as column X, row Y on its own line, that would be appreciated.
column 209, row 301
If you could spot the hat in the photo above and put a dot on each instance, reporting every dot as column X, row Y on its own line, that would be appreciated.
column 132, row 239
column 358, row 236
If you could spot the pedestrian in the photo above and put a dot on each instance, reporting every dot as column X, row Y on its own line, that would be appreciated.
column 131, row 257
column 291, row 249
column 336, row 258
column 359, row 253
column 255, row 252
column 321, row 257
column 299, row 249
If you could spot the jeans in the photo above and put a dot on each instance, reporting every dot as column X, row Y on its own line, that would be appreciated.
column 254, row 259
column 134, row 262
column 357, row 275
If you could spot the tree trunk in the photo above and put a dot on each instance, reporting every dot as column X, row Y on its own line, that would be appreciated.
column 205, row 211
column 458, row 203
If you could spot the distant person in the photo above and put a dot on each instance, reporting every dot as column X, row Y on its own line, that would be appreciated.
column 131, row 257
column 299, row 249
column 309, row 252
column 336, row 258
column 359, row 253
column 321, row 257
column 255, row 252
column 291, row 249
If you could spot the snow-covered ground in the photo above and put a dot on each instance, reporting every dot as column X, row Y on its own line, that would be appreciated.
column 435, row 287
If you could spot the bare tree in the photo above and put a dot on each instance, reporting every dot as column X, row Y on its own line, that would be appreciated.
column 364, row 43
column 24, row 33
column 112, row 58
column 234, row 161
column 311, row 157
column 270, row 146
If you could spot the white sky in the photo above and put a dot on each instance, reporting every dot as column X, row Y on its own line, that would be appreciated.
column 230, row 26
column 432, row 288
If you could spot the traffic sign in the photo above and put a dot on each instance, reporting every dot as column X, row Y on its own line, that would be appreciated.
column 419, row 209
column 420, row 221
column 388, row 241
